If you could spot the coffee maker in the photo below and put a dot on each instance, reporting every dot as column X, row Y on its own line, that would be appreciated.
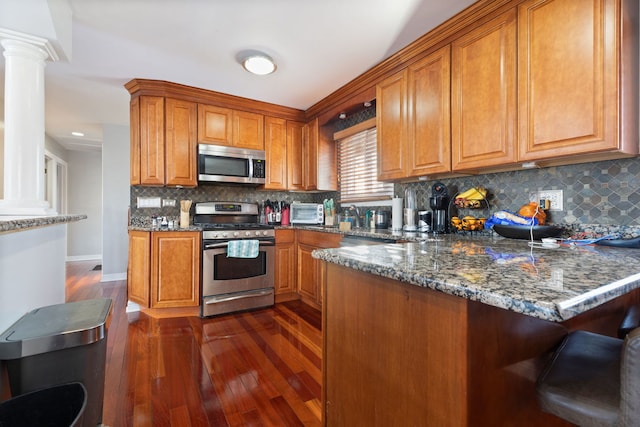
column 439, row 203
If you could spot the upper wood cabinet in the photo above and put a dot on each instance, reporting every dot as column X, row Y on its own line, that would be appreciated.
column 391, row 116
column 224, row 126
column 576, row 81
column 429, row 115
column 215, row 125
column 275, row 145
column 413, row 119
column 295, row 156
column 483, row 93
column 300, row 156
column 181, row 145
column 320, row 158
column 163, row 141
column 147, row 140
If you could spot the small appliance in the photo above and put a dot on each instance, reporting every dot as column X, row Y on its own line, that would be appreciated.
column 410, row 210
column 306, row 213
column 439, row 203
column 217, row 163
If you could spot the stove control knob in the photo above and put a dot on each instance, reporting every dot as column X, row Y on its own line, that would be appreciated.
column 224, row 234
column 236, row 234
column 247, row 233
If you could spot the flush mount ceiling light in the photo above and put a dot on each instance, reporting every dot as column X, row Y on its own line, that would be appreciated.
column 77, row 133
column 259, row 63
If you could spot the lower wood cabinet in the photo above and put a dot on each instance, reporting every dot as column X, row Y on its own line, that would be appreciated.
column 285, row 273
column 139, row 268
column 164, row 269
column 310, row 272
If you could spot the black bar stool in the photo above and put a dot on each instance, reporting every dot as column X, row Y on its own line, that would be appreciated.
column 593, row 380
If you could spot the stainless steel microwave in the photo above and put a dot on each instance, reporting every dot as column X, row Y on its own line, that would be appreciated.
column 217, row 163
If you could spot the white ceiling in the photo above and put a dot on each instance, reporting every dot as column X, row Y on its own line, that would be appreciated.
column 319, row 45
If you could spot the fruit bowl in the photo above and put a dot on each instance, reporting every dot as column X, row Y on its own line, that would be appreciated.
column 524, row 231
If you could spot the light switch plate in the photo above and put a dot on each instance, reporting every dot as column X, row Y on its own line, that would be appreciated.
column 149, row 202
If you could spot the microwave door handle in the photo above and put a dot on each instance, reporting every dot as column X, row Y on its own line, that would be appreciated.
column 250, row 167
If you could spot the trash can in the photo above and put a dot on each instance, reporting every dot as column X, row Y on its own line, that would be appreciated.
column 60, row 344
column 58, row 406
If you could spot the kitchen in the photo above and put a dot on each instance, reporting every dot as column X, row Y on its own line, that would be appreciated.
column 510, row 189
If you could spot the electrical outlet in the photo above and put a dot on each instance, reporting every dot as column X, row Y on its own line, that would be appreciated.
column 555, row 197
column 168, row 202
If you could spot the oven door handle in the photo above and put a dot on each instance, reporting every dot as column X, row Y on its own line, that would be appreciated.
column 217, row 300
column 224, row 245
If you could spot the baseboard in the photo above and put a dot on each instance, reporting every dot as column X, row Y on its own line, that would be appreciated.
column 113, row 277
column 97, row 257
column 132, row 307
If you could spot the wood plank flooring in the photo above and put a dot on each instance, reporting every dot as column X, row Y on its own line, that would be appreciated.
column 257, row 368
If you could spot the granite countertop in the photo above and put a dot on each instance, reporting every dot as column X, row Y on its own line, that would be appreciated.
column 554, row 284
column 19, row 223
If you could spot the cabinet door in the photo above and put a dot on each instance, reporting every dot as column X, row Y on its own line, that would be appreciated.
column 139, row 268
column 175, row 269
column 295, row 156
column 181, row 142
column 248, row 130
column 310, row 156
column 285, row 274
column 568, row 77
column 429, row 115
column 311, row 270
column 151, row 126
column 275, row 145
column 483, row 105
column 391, row 107
column 307, row 273
column 215, row 125
column 134, row 129
column 322, row 170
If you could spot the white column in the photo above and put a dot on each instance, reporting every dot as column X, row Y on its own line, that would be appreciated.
column 24, row 186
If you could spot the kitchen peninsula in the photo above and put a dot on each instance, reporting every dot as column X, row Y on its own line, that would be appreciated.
column 453, row 331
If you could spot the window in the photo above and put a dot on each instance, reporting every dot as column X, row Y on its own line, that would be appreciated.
column 358, row 163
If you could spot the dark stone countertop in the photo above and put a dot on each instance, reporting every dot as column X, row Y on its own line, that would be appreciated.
column 554, row 284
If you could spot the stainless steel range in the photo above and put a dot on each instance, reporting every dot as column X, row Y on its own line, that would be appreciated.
column 234, row 283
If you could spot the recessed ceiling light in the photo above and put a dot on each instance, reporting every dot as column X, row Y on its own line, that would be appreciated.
column 259, row 63
column 77, row 133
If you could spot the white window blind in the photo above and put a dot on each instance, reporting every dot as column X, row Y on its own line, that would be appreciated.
column 357, row 166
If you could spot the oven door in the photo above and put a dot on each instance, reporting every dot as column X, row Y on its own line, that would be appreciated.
column 225, row 275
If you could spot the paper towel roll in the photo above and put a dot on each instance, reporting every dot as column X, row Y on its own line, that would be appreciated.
column 396, row 213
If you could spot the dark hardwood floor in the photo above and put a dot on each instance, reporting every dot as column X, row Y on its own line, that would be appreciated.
column 257, row 368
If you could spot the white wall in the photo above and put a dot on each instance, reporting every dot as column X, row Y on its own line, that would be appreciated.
column 32, row 271
column 84, row 239
column 115, row 201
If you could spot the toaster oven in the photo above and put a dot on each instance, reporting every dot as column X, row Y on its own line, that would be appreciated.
column 306, row 213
